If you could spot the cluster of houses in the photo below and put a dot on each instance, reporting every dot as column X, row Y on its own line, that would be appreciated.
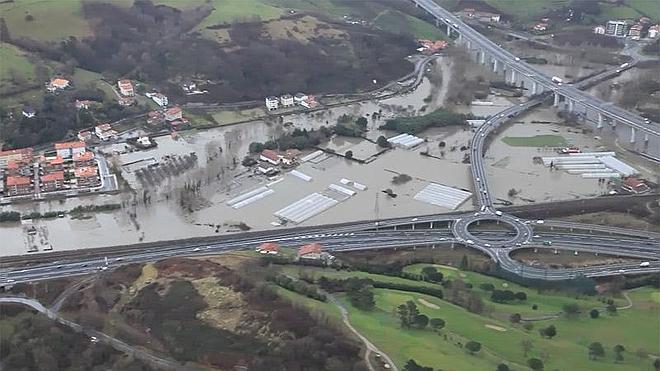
column 57, row 84
column 312, row 253
column 635, row 30
column 431, row 46
column 481, row 16
column 103, row 132
column 126, row 93
column 172, row 116
column 541, row 26
column 71, row 166
column 288, row 100
column 270, row 159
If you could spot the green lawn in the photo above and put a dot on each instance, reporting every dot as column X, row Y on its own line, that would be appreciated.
column 14, row 62
column 611, row 11
column 526, row 10
column 53, row 19
column 634, row 328
column 536, row 141
column 650, row 8
column 228, row 11
column 397, row 22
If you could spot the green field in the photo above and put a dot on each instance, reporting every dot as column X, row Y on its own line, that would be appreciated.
column 536, row 141
column 526, row 10
column 398, row 22
column 53, row 19
column 650, row 8
column 610, row 11
column 634, row 328
column 14, row 63
column 228, row 11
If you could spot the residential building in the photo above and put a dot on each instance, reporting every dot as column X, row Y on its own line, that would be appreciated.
column 635, row 31
column 83, row 104
column 268, row 248
column 18, row 168
column 299, row 98
column 18, row 186
column 57, row 83
column 267, row 170
column 52, row 181
column 18, row 155
column 29, row 112
column 286, row 100
column 616, row 28
column 487, row 17
column 600, row 30
column 159, row 98
column 155, row 118
column 431, row 46
column 104, row 131
column 126, row 88
column 540, row 27
column 87, row 176
column 654, row 31
column 310, row 102
column 173, row 113
column 635, row 185
column 189, row 86
column 644, row 20
column 85, row 136
column 126, row 101
column 270, row 156
column 68, row 149
column 84, row 159
column 291, row 156
column 53, row 164
column 272, row 103
column 311, row 251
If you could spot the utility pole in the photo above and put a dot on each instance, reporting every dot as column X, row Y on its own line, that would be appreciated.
column 377, row 211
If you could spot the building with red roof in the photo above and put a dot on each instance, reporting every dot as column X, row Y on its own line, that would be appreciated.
column 311, row 251
column 83, row 159
column 268, row 248
column 174, row 113
column 634, row 185
column 87, row 177
column 18, row 168
column 52, row 164
column 68, row 149
column 270, row 156
column 126, row 88
column 18, row 186
column 22, row 155
column 52, row 181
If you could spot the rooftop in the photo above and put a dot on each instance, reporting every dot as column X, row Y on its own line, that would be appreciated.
column 269, row 153
column 83, row 156
column 17, row 180
column 85, row 171
column 52, row 177
column 312, row 248
column 70, row 145
column 269, row 246
column 21, row 151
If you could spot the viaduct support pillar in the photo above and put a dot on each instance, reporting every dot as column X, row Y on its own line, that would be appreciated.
column 570, row 105
column 437, row 22
column 495, row 65
column 513, row 77
column 534, row 86
column 556, row 103
column 632, row 135
column 483, row 57
column 646, row 137
column 448, row 30
column 600, row 121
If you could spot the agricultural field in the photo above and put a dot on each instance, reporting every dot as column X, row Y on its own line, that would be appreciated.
column 526, row 10
column 398, row 22
column 536, row 141
column 15, row 67
column 501, row 340
column 45, row 20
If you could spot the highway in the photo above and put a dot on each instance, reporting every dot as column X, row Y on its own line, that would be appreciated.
column 566, row 90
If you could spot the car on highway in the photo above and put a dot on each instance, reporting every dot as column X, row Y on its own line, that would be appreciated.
column 547, row 243
column 644, row 264
column 498, row 213
column 622, row 271
column 414, row 219
column 470, row 242
column 196, row 249
column 540, row 221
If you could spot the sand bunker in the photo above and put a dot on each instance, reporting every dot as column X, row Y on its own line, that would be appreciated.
column 427, row 304
column 496, row 328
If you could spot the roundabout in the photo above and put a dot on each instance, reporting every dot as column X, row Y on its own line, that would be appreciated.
column 461, row 230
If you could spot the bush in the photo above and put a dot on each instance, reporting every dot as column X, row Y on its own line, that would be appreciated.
column 413, row 125
column 594, row 313
column 473, row 346
column 487, row 286
column 382, row 142
column 535, row 364
column 10, row 216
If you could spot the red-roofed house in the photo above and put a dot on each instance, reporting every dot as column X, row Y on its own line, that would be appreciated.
column 85, row 135
column 52, row 164
column 635, row 185
column 21, row 155
column 52, row 182
column 270, row 156
column 268, row 248
column 312, row 251
column 83, row 159
column 68, row 149
column 126, row 88
column 87, row 176
column 173, row 113
column 58, row 84
column 18, row 185
column 19, row 168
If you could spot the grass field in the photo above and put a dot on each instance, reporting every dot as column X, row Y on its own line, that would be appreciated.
column 526, row 10
column 14, row 62
column 398, row 22
column 633, row 328
column 650, row 8
column 536, row 141
column 229, row 11
column 53, row 19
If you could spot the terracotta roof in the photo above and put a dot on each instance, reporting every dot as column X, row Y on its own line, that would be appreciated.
column 14, row 164
column 54, row 176
column 104, row 127
column 634, row 182
column 85, row 172
column 84, row 156
column 173, row 111
column 69, row 145
column 269, row 246
column 22, row 151
column 126, row 84
column 56, row 161
column 270, row 154
column 59, row 82
column 17, row 180
column 312, row 248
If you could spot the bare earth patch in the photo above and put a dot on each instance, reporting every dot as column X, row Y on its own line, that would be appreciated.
column 428, row 304
column 496, row 328
column 226, row 306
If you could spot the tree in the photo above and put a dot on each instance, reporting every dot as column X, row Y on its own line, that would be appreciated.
column 596, row 350
column 548, row 332
column 656, row 364
column 526, row 346
column 618, row 350
column 349, row 154
column 256, row 147
column 487, row 286
column 421, row 321
column 431, row 274
column 502, row 367
column 611, row 309
column 571, row 309
column 594, row 313
column 515, row 318
column 382, row 142
column 528, row 326
column 402, row 310
column 362, row 122
column 535, row 364
column 407, row 313
column 411, row 365
column 521, row 296
column 362, row 297
column 5, row 37
column 464, row 263
column 473, row 346
column 437, row 323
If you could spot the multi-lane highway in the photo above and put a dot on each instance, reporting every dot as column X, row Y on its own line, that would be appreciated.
column 430, row 230
column 511, row 61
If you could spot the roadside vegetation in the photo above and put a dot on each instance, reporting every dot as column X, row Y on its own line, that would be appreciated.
column 417, row 124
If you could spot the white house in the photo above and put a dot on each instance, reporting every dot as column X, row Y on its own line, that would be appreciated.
column 126, row 88
column 29, row 112
column 299, row 98
column 272, row 103
column 270, row 156
column 654, row 31
column 600, row 30
column 286, row 100
column 160, row 99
